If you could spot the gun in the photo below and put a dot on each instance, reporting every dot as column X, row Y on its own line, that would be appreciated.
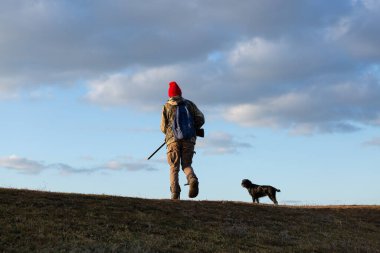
column 199, row 132
column 156, row 151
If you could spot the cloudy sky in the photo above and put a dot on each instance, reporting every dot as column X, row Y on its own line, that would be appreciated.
column 290, row 91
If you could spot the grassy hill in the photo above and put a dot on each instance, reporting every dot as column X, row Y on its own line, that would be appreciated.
column 32, row 221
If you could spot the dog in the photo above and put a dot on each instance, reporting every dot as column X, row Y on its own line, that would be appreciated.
column 258, row 191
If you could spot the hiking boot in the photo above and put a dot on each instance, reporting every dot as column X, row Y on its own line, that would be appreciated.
column 176, row 192
column 175, row 196
column 193, row 191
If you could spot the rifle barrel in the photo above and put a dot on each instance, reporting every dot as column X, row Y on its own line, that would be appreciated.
column 156, row 151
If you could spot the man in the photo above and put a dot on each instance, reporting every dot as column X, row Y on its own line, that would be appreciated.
column 180, row 152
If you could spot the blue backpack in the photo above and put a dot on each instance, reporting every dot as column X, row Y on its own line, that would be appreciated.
column 183, row 124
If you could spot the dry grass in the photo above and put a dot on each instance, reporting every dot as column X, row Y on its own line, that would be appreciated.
column 32, row 221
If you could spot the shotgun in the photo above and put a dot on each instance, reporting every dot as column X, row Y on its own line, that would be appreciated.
column 156, row 151
column 199, row 133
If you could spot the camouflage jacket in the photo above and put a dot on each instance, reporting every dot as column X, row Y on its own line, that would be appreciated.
column 168, row 114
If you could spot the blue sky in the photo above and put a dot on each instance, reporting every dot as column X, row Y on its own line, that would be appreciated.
column 290, row 92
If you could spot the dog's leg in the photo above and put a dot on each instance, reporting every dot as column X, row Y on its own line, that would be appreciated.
column 273, row 198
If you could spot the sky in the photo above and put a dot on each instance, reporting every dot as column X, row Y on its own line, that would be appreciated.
column 290, row 91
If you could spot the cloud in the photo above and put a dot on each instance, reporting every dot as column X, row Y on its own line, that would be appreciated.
column 67, row 169
column 336, row 108
column 22, row 165
column 359, row 32
column 374, row 142
column 288, row 70
column 285, row 61
column 27, row 166
column 219, row 143
column 58, row 42
column 301, row 84
column 130, row 88
column 128, row 166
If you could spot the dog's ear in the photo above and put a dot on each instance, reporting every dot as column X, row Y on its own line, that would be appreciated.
column 245, row 183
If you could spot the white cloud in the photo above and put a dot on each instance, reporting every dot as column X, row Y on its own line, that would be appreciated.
column 286, row 63
column 219, row 143
column 23, row 165
column 303, row 99
column 129, row 166
column 283, row 70
column 59, row 42
column 272, row 112
column 338, row 108
column 138, row 88
column 28, row 166
column 258, row 58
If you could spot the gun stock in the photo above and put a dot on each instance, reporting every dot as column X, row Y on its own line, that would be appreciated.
column 200, row 132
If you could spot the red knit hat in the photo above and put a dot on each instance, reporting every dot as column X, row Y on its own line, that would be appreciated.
column 174, row 90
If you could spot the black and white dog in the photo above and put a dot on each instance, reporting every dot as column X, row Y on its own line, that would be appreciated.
column 258, row 191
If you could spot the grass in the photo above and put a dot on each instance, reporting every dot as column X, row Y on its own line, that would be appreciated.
column 33, row 221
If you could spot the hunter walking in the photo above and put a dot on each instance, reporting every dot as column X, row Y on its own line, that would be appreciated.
column 180, row 121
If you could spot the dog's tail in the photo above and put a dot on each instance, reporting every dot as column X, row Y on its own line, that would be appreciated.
column 278, row 190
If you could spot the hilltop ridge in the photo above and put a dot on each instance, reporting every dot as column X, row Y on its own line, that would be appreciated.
column 34, row 221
